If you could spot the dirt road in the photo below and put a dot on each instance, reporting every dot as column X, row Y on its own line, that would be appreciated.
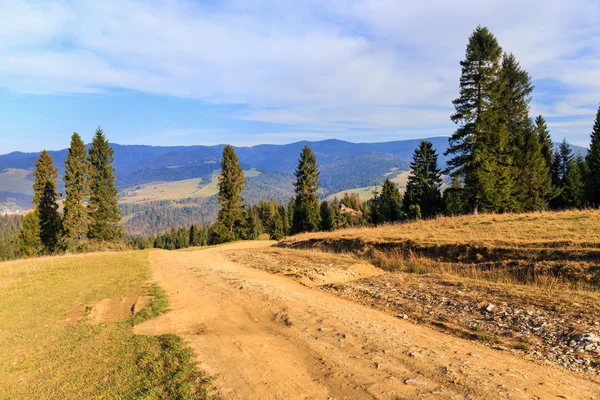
column 265, row 336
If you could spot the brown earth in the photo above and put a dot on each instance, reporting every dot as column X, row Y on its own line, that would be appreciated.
column 112, row 310
column 266, row 336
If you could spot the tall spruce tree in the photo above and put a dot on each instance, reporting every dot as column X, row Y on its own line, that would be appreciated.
column 45, row 199
column 103, row 209
column 561, row 161
column 424, row 182
column 390, row 203
column 307, row 216
column 515, row 99
column 533, row 178
column 573, row 189
column 77, row 168
column 478, row 140
column 231, row 186
column 545, row 140
column 593, row 165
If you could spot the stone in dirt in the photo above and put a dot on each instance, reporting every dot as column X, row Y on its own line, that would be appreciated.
column 587, row 337
column 415, row 382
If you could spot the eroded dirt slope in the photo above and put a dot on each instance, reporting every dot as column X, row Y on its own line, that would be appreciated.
column 265, row 336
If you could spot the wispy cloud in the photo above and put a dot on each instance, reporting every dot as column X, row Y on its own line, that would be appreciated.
column 346, row 66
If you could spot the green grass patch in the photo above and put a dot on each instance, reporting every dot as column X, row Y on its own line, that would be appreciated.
column 49, row 351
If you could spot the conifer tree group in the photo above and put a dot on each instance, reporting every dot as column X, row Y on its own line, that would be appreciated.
column 502, row 160
column 90, row 209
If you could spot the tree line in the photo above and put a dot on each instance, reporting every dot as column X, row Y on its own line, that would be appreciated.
column 88, row 217
column 502, row 159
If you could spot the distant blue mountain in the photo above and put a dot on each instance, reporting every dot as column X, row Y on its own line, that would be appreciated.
column 343, row 165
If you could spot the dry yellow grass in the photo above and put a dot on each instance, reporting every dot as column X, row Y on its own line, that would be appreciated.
column 570, row 228
column 546, row 248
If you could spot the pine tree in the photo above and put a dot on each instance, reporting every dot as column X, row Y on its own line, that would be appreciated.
column 545, row 140
column 593, row 165
column 75, row 220
column 424, row 181
column 453, row 199
column 478, row 139
column 390, row 207
column 515, row 99
column 231, row 186
column 566, row 156
column 307, row 216
column 45, row 199
column 534, row 179
column 562, row 161
column 573, row 190
column 30, row 244
column 103, row 209
column 327, row 217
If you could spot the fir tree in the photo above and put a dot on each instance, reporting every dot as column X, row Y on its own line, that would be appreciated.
column 390, row 207
column 475, row 143
column 103, row 209
column 593, row 165
column 545, row 140
column 453, row 199
column 30, row 244
column 424, row 181
column 45, row 199
column 515, row 99
column 307, row 216
column 534, row 179
column 573, row 190
column 75, row 220
column 566, row 156
column 231, row 186
column 327, row 217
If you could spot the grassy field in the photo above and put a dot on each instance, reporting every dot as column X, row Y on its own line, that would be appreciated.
column 365, row 193
column 52, row 349
column 176, row 190
column 547, row 248
column 15, row 181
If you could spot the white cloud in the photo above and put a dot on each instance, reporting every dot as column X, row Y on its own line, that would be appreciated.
column 378, row 65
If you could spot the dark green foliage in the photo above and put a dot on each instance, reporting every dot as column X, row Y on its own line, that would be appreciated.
column 231, row 186
column 593, row 165
column 10, row 226
column 573, row 189
column 327, row 217
column 561, row 162
column 479, row 140
column 516, row 154
column 45, row 200
column 423, row 197
column 252, row 227
column 454, row 200
column 307, row 216
column 387, row 206
column 103, row 207
column 77, row 168
column 30, row 244
column 534, row 185
column 545, row 140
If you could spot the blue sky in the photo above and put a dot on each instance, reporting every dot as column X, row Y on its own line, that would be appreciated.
column 178, row 72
